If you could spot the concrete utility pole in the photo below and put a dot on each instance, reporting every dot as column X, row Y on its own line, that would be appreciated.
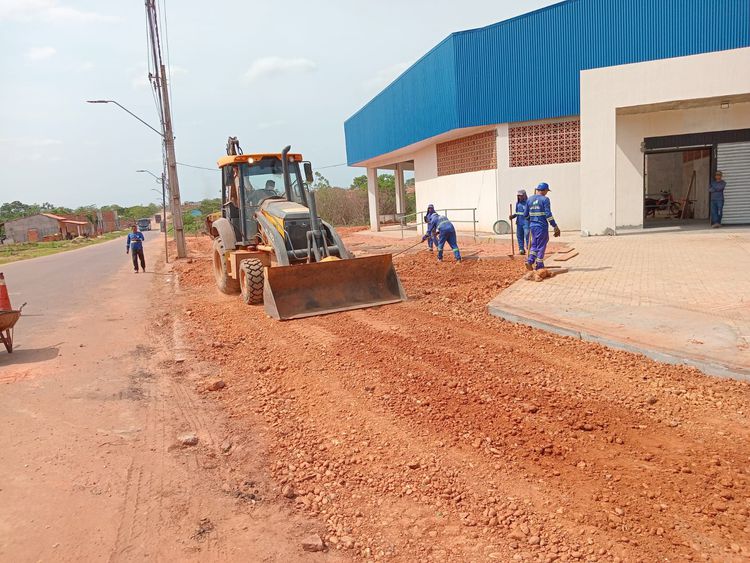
column 163, row 226
column 159, row 81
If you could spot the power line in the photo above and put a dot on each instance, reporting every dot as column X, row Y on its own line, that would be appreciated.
column 331, row 166
column 198, row 167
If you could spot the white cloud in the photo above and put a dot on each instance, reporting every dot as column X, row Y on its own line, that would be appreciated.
column 271, row 124
column 384, row 77
column 39, row 53
column 272, row 66
column 48, row 11
column 27, row 142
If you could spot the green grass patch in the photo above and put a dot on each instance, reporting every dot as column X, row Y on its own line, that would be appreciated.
column 27, row 250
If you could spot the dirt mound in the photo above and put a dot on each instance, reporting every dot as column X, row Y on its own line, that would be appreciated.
column 429, row 430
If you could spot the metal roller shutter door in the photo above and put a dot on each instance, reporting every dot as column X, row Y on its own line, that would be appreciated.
column 734, row 161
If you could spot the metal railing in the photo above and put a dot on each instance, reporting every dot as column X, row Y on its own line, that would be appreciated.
column 405, row 224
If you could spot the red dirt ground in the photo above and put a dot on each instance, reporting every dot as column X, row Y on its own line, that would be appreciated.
column 431, row 431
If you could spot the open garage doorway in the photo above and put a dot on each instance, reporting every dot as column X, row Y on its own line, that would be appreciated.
column 676, row 187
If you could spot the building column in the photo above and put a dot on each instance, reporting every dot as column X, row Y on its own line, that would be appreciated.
column 373, row 198
column 400, row 202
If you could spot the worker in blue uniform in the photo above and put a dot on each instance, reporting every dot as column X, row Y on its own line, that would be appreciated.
column 539, row 217
column 134, row 246
column 446, row 233
column 432, row 240
column 522, row 226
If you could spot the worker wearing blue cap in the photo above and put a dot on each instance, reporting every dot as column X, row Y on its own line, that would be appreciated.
column 539, row 217
column 446, row 233
column 522, row 226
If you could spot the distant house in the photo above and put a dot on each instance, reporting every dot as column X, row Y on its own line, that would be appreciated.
column 107, row 221
column 46, row 226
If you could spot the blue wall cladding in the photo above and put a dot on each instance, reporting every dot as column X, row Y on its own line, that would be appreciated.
column 419, row 104
column 528, row 67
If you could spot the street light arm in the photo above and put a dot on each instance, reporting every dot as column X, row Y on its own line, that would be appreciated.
column 127, row 110
column 158, row 178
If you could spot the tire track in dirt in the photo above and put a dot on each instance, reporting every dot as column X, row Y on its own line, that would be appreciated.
column 428, row 430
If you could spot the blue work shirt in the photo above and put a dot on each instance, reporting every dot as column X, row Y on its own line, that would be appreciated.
column 135, row 241
column 521, row 212
column 439, row 223
column 716, row 189
column 538, row 211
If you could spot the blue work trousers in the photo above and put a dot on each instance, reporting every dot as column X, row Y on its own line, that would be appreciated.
column 539, row 240
column 448, row 235
column 522, row 235
column 717, row 210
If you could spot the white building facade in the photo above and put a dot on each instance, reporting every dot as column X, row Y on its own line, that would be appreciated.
column 639, row 151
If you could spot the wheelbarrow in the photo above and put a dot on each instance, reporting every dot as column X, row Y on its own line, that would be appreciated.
column 8, row 320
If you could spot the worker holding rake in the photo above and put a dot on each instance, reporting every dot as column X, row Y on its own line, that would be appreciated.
column 539, row 217
column 522, row 226
column 432, row 240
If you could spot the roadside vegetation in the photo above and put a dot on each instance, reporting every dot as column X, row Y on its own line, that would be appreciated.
column 26, row 250
column 348, row 206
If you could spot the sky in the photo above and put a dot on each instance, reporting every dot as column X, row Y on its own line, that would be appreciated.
column 271, row 74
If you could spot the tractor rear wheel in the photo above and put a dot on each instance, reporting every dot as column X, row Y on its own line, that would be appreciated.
column 224, row 281
column 251, row 281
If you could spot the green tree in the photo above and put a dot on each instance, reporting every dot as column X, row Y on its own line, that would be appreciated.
column 387, row 191
column 190, row 223
column 359, row 183
column 208, row 206
column 320, row 182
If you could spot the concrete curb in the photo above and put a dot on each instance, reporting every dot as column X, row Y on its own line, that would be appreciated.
column 710, row 368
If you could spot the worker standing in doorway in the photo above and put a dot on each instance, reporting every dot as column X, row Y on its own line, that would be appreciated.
column 522, row 226
column 134, row 243
column 539, row 217
column 446, row 233
column 716, row 189
column 432, row 238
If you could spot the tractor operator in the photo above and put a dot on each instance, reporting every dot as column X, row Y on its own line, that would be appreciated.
column 538, row 214
column 134, row 242
column 446, row 233
column 522, row 226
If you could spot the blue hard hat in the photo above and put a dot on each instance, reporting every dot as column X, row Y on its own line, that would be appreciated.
column 543, row 186
column 430, row 206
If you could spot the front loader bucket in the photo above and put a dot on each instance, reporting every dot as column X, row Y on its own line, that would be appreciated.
column 306, row 290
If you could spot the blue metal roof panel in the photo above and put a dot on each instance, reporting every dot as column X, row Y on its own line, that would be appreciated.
column 528, row 67
column 419, row 104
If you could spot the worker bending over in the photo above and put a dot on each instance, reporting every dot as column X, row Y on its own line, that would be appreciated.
column 538, row 214
column 432, row 239
column 446, row 233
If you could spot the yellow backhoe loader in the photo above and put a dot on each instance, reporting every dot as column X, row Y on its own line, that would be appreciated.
column 271, row 246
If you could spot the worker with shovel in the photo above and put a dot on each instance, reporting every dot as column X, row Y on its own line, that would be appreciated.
column 539, row 217
column 522, row 226
column 446, row 233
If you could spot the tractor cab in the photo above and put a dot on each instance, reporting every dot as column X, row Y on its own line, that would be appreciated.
column 250, row 179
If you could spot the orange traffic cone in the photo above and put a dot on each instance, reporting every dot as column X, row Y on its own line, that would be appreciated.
column 4, row 297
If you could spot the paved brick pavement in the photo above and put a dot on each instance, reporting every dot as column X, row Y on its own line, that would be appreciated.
column 678, row 296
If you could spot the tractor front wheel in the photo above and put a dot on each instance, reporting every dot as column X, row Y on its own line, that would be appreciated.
column 251, row 281
column 224, row 281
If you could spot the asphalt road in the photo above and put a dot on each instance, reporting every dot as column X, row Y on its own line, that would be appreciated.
column 59, row 286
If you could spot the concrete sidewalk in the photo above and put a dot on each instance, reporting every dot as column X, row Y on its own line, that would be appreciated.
column 676, row 296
